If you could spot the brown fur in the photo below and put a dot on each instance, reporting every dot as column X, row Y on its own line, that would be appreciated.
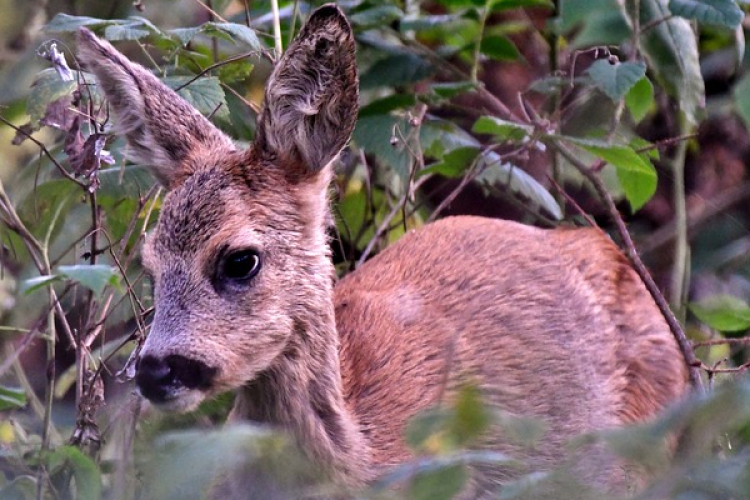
column 553, row 324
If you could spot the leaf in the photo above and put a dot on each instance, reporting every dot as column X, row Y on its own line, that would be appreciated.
column 454, row 163
column 128, row 31
column 32, row 284
column 724, row 313
column 741, row 95
column 498, row 48
column 47, row 88
column 205, row 94
column 640, row 99
column 64, row 23
column 238, row 32
column 94, row 277
column 720, row 12
column 503, row 130
column 617, row 79
column 394, row 70
column 451, row 89
column 87, row 477
column 376, row 16
column 12, row 398
column 672, row 51
column 636, row 174
column 443, row 483
column 388, row 104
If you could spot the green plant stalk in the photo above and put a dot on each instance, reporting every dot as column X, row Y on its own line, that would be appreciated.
column 278, row 46
column 478, row 49
column 681, row 265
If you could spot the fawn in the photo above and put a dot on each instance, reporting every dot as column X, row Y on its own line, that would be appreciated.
column 549, row 323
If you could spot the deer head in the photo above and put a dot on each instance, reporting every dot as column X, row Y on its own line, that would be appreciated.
column 239, row 256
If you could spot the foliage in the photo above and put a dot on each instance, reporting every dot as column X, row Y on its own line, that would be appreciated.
column 73, row 215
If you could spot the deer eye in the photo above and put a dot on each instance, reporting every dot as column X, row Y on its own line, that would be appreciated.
column 240, row 265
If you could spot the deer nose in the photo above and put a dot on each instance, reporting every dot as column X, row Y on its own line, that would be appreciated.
column 161, row 379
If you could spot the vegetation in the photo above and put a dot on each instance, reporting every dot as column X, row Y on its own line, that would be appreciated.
column 552, row 112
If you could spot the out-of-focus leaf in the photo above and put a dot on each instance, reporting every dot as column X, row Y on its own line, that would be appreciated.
column 672, row 50
column 387, row 104
column 47, row 88
column 238, row 32
column 503, row 130
column 205, row 94
column 376, row 16
column 32, row 284
column 65, row 23
column 443, row 483
column 741, row 95
column 616, row 79
column 454, row 163
column 451, row 89
column 88, row 479
column 636, row 174
column 725, row 313
column 640, row 99
column 721, row 12
column 94, row 277
column 11, row 398
column 397, row 69
column 498, row 48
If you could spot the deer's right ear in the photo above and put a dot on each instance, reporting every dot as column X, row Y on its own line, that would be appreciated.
column 162, row 129
column 310, row 106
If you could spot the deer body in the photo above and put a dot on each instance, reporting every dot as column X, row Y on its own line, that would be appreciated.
column 548, row 323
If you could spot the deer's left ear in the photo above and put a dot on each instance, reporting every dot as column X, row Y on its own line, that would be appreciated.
column 311, row 99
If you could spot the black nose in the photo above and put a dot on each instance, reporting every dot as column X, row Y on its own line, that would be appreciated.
column 159, row 379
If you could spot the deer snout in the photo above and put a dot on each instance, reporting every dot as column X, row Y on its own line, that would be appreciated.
column 162, row 380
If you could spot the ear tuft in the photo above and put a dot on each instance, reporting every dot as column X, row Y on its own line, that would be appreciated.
column 310, row 105
column 161, row 128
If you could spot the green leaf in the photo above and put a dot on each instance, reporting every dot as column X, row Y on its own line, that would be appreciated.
column 85, row 471
column 640, row 99
column 443, row 483
column 616, row 80
column 388, row 104
column 94, row 277
column 134, row 28
column 636, row 174
column 64, row 23
column 451, row 89
column 503, row 130
column 12, row 398
column 205, row 94
column 47, row 88
column 672, row 51
column 741, row 96
column 724, row 313
column 397, row 69
column 238, row 32
column 499, row 48
column 454, row 163
column 32, row 284
column 376, row 16
column 720, row 12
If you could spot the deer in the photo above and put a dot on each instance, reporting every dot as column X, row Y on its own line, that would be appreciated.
column 553, row 324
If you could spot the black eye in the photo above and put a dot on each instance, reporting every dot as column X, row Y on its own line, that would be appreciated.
column 241, row 265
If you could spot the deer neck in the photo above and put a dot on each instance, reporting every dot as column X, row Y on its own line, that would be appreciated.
column 303, row 394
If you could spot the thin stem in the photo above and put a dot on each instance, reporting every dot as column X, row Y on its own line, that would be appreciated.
column 681, row 264
column 278, row 47
column 478, row 48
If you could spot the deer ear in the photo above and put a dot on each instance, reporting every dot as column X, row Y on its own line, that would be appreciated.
column 162, row 129
column 311, row 99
